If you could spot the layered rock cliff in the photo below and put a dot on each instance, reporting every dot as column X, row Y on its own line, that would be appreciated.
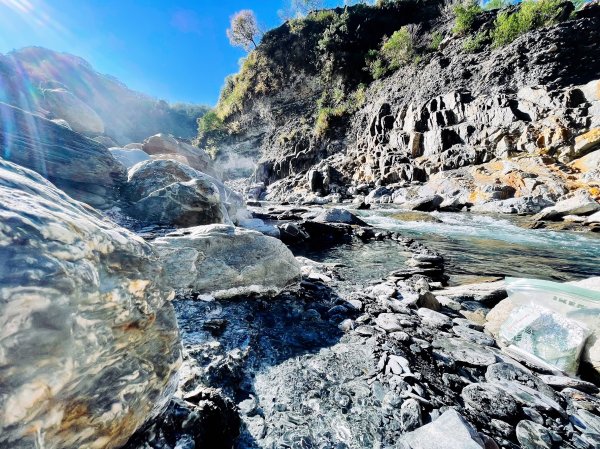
column 491, row 123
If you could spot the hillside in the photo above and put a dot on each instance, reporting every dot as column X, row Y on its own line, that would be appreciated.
column 307, row 106
column 62, row 86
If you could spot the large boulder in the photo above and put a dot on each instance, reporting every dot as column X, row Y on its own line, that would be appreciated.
column 226, row 261
column 81, row 167
column 168, row 192
column 64, row 105
column 89, row 345
column 161, row 145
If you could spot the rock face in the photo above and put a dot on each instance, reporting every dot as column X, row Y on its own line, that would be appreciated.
column 77, row 165
column 168, row 192
column 88, row 339
column 168, row 146
column 225, row 261
column 79, row 116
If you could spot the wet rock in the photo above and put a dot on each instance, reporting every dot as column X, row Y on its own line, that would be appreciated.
column 490, row 400
column 225, row 261
column 291, row 233
column 449, row 431
column 464, row 352
column 82, row 168
column 534, row 436
column 90, row 345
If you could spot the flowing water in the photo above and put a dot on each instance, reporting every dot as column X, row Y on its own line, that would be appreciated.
column 496, row 246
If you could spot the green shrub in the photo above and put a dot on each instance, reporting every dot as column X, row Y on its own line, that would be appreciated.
column 464, row 16
column 335, row 104
column 324, row 118
column 399, row 49
column 436, row 40
column 531, row 14
column 473, row 44
column 209, row 123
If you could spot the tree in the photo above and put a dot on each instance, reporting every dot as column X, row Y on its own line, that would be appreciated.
column 243, row 30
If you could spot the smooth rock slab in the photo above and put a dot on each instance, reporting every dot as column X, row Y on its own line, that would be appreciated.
column 89, row 345
column 449, row 431
column 463, row 351
column 225, row 261
column 432, row 318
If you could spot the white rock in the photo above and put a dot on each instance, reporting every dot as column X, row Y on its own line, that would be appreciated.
column 226, row 261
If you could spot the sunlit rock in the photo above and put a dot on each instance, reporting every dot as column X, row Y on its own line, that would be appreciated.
column 79, row 116
column 88, row 338
column 81, row 167
column 164, row 144
column 168, row 192
column 226, row 261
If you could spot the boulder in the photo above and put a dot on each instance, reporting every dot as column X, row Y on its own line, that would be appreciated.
column 449, row 431
column 587, row 163
column 336, row 215
column 82, row 168
column 64, row 105
column 167, row 192
column 578, row 203
column 89, row 345
column 256, row 224
column 225, row 261
column 128, row 157
column 487, row 293
column 164, row 144
column 586, row 142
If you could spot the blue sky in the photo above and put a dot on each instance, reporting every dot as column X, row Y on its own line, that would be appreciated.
column 176, row 50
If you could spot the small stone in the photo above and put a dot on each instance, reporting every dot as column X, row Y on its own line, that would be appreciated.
column 490, row 400
column 533, row 436
column 346, row 326
column 561, row 382
column 410, row 414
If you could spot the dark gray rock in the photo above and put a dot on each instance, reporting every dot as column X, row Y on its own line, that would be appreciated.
column 490, row 400
column 534, row 436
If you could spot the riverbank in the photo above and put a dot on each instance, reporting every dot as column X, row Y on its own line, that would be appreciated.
column 364, row 353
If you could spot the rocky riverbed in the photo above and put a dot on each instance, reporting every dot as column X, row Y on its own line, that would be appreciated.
column 368, row 353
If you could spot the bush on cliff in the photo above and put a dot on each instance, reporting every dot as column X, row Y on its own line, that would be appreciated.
column 394, row 53
column 530, row 15
column 464, row 16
